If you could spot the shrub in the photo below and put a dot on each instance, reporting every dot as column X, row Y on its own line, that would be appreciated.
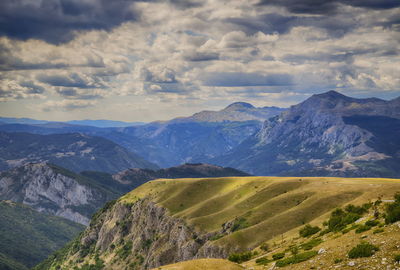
column 364, row 249
column 240, row 257
column 309, row 230
column 372, row 223
column 278, row 256
column 239, row 223
column 396, row 258
column 301, row 257
column 263, row 260
column 264, row 247
column 393, row 210
column 338, row 260
column 125, row 250
column 339, row 218
column 362, row 228
column 350, row 208
column 310, row 244
column 379, row 230
column 323, row 232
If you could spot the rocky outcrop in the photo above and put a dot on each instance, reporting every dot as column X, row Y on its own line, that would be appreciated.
column 53, row 190
column 144, row 234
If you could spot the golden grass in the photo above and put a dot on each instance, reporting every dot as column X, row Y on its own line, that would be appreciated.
column 271, row 205
column 202, row 264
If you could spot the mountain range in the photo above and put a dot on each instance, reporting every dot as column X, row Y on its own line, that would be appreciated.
column 328, row 134
column 74, row 151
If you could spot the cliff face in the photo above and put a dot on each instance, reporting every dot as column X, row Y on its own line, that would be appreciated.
column 139, row 234
column 51, row 190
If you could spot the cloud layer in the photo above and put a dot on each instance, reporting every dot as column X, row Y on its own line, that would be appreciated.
column 83, row 56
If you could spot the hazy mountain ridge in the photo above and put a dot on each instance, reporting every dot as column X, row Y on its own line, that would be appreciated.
column 28, row 237
column 170, row 143
column 235, row 112
column 74, row 151
column 135, row 177
column 324, row 135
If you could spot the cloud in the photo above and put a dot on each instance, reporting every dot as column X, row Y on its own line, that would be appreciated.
column 56, row 20
column 12, row 89
column 329, row 7
column 71, row 80
column 67, row 105
column 237, row 79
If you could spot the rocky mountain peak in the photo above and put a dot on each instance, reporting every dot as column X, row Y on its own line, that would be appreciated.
column 239, row 106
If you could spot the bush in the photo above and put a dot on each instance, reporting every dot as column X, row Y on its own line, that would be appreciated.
column 309, row 230
column 362, row 228
column 125, row 250
column 240, row 257
column 338, row 260
column 278, row 256
column 310, row 244
column 339, row 219
column 379, row 230
column 239, row 223
column 264, row 247
column 364, row 249
column 263, row 260
column 393, row 210
column 301, row 257
column 357, row 209
column 372, row 223
column 396, row 258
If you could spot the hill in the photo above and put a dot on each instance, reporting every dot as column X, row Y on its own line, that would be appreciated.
column 235, row 112
column 28, row 237
column 74, row 151
column 166, row 221
column 55, row 190
column 129, row 179
column 328, row 134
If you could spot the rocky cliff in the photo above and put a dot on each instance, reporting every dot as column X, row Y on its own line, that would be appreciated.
column 140, row 235
column 54, row 190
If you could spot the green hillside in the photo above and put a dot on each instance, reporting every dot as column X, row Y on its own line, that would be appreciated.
column 258, row 207
column 28, row 237
column 171, row 220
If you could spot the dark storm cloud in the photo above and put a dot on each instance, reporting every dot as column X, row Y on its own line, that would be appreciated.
column 238, row 79
column 328, row 7
column 275, row 23
column 32, row 88
column 55, row 20
column 70, row 80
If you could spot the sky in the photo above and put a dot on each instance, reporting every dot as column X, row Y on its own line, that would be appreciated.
column 134, row 60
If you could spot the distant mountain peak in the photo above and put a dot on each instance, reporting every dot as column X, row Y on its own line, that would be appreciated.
column 239, row 105
column 331, row 95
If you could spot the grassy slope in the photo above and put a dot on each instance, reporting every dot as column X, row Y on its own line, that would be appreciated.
column 27, row 236
column 271, row 206
column 201, row 264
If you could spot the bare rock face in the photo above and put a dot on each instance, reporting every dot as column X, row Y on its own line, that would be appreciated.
column 48, row 189
column 147, row 233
